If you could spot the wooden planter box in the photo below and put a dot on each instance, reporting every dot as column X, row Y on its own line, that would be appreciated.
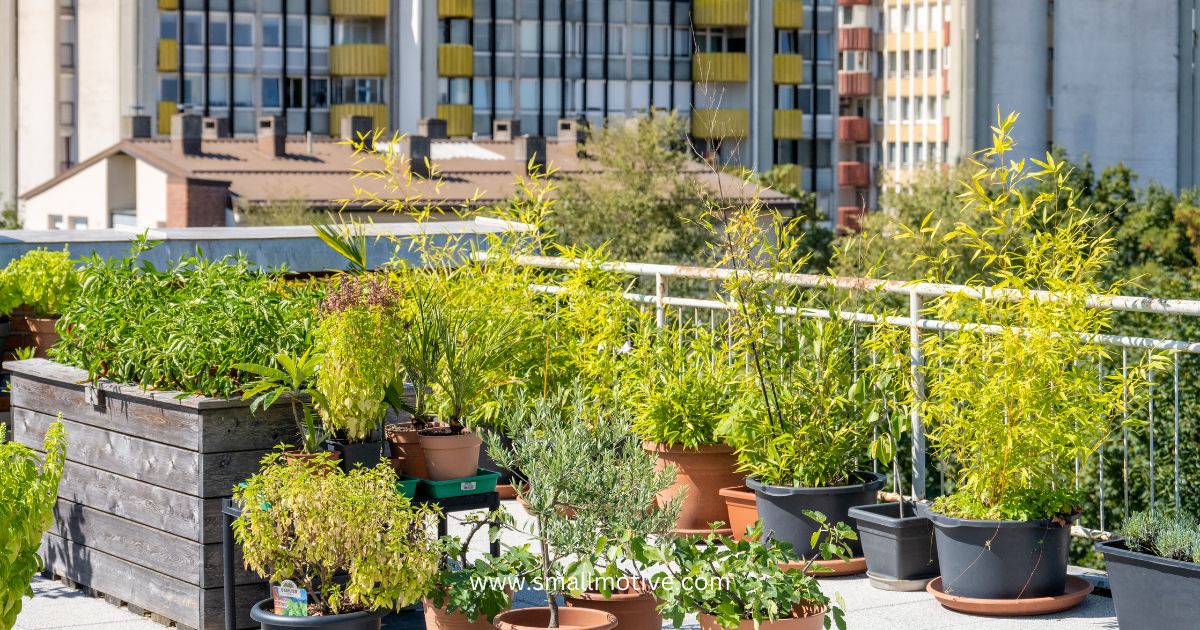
column 138, row 517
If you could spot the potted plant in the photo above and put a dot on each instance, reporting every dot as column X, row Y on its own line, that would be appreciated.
column 468, row 594
column 1154, row 571
column 30, row 491
column 1013, row 397
column 679, row 386
column 46, row 282
column 357, row 340
column 354, row 546
column 744, row 584
column 293, row 377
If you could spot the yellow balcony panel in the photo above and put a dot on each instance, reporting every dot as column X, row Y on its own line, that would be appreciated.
column 358, row 60
column 720, row 123
column 721, row 12
column 460, row 119
column 791, row 175
column 456, row 8
column 456, row 60
column 789, row 14
column 733, row 67
column 377, row 111
column 168, row 5
column 168, row 55
column 789, row 124
column 789, row 69
column 358, row 8
column 166, row 109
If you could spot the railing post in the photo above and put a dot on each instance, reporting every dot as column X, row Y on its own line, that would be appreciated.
column 916, row 357
column 660, row 294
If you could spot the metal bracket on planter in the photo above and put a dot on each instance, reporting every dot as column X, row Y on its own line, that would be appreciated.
column 94, row 395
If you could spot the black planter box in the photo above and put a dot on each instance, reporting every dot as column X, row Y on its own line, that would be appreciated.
column 782, row 510
column 901, row 552
column 1150, row 592
column 366, row 454
column 1001, row 559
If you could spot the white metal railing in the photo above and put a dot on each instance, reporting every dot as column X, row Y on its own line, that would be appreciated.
column 916, row 292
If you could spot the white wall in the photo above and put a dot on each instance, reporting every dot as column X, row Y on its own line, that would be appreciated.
column 37, row 110
column 1019, row 59
column 1116, row 84
column 151, row 196
column 8, row 100
column 99, row 70
column 84, row 194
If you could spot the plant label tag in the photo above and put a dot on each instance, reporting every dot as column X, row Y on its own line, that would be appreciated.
column 290, row 600
column 467, row 486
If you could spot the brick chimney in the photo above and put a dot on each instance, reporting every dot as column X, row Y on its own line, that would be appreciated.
column 355, row 127
column 526, row 148
column 432, row 128
column 215, row 128
column 137, row 126
column 185, row 134
column 272, row 134
column 505, row 129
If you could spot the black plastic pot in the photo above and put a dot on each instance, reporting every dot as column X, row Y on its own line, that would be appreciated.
column 1001, row 559
column 368, row 453
column 1149, row 592
column 781, row 509
column 901, row 553
column 263, row 613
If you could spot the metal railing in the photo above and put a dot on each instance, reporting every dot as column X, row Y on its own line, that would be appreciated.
column 916, row 293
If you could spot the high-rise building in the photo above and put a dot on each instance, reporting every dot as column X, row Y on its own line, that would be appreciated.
column 756, row 77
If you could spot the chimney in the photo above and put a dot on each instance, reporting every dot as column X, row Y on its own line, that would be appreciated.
column 432, row 128
column 505, row 129
column 526, row 148
column 185, row 134
column 356, row 127
column 137, row 126
column 272, row 133
column 571, row 130
column 215, row 128
column 415, row 148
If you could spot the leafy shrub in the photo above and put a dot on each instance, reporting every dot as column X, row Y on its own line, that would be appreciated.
column 27, row 497
column 1168, row 536
column 46, row 281
column 309, row 522
column 183, row 327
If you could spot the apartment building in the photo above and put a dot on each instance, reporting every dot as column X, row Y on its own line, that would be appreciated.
column 755, row 76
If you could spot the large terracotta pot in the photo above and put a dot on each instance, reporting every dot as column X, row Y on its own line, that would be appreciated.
column 309, row 459
column 568, row 618
column 406, row 443
column 438, row 619
column 699, row 474
column 742, row 509
column 810, row 621
column 451, row 456
column 38, row 332
column 636, row 608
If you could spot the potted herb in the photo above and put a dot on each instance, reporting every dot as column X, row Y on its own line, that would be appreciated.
column 293, row 377
column 1154, row 572
column 679, row 386
column 46, row 282
column 468, row 594
column 357, row 339
column 356, row 547
column 30, row 491
column 1014, row 401
column 420, row 353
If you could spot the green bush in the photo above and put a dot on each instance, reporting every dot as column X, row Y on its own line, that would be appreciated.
column 27, row 497
column 46, row 281
column 183, row 327
column 1176, row 537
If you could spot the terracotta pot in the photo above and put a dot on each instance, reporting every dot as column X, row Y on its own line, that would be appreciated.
column 699, row 474
column 451, row 456
column 406, row 442
column 38, row 332
column 742, row 509
column 539, row 619
column 635, row 608
column 397, row 464
column 810, row 621
column 438, row 619
column 310, row 458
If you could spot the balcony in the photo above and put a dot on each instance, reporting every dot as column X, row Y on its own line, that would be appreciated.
column 378, row 113
column 789, row 124
column 168, row 5
column 789, row 14
column 358, row 8
column 854, row 84
column 854, row 129
column 789, row 69
column 853, row 175
column 721, row 13
column 168, row 55
column 456, row 60
column 166, row 109
column 730, row 67
column 854, row 38
column 714, row 124
column 456, row 9
column 358, row 60
column 460, row 119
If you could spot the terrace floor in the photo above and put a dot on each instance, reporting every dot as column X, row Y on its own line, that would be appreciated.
column 56, row 606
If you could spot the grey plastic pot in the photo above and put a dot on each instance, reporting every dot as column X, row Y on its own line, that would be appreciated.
column 1149, row 592
column 1001, row 559
column 268, row 620
column 367, row 454
column 781, row 509
column 901, row 553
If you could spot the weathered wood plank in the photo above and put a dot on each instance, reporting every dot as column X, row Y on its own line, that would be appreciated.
column 220, row 472
column 45, row 370
column 235, row 429
column 167, row 510
column 212, row 605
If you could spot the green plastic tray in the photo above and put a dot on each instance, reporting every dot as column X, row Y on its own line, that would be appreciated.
column 407, row 486
column 483, row 482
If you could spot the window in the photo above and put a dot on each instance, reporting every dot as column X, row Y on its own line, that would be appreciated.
column 892, row 108
column 552, row 95
column 318, row 31
column 218, row 30
column 919, row 61
column 891, row 152
column 662, row 41
column 358, row 90
column 906, row 153
column 295, row 31
column 243, row 91
column 193, row 29
column 639, row 40
column 616, row 96
column 573, row 38
column 294, row 90
column 683, row 43
column 905, row 112
column 457, row 91
column 243, row 29
column 529, row 95
column 918, row 107
column 358, row 31
column 616, row 40
column 218, row 90
column 922, row 18
column 552, row 37
column 79, row 223
column 824, row 101
column 318, row 93
column 504, row 95
column 482, row 99
column 894, row 19
column 457, row 32
column 504, row 36
column 786, row 43
column 823, row 47
column 168, row 88
column 54, row 221
column 639, row 96
column 595, row 38
column 906, row 62
column 193, row 89
column 270, row 92
column 785, row 97
column 594, row 95
column 168, row 26
column 529, row 36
